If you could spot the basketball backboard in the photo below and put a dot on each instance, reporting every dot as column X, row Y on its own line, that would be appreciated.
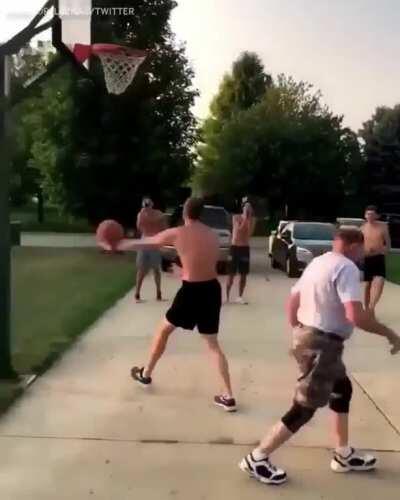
column 75, row 21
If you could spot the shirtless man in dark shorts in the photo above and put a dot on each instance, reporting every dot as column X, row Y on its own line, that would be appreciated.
column 198, row 302
column 377, row 246
column 242, row 230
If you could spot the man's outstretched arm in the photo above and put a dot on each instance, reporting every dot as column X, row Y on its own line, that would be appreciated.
column 164, row 238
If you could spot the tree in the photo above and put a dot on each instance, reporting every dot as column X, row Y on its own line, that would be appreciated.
column 381, row 136
column 242, row 88
column 27, row 175
column 122, row 147
column 288, row 148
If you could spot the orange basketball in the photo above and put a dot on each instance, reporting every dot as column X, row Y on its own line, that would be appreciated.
column 111, row 232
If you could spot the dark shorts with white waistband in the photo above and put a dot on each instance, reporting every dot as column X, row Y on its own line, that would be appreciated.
column 319, row 357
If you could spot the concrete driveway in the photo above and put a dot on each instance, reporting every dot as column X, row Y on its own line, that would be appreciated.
column 86, row 431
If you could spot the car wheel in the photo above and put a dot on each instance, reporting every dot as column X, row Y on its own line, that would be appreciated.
column 291, row 269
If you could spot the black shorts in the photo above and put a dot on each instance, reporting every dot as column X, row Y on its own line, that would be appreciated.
column 197, row 304
column 374, row 266
column 239, row 260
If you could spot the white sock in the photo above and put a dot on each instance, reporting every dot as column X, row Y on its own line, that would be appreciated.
column 258, row 454
column 343, row 451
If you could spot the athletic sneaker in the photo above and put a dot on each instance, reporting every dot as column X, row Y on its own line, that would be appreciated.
column 228, row 404
column 262, row 470
column 137, row 374
column 354, row 462
column 241, row 301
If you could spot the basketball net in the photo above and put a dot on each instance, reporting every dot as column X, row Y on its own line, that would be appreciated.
column 120, row 64
column 119, row 69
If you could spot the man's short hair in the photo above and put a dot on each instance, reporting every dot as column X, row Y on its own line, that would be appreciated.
column 372, row 208
column 193, row 208
column 350, row 235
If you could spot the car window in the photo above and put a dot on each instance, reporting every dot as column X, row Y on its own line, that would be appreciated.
column 215, row 217
column 313, row 232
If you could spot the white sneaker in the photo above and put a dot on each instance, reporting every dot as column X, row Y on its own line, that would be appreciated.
column 241, row 301
column 354, row 462
column 262, row 470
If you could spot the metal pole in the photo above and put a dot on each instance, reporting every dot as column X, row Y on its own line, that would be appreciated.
column 6, row 369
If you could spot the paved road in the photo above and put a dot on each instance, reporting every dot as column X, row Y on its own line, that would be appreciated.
column 86, row 431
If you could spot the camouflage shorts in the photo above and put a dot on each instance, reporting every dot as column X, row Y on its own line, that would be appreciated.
column 319, row 357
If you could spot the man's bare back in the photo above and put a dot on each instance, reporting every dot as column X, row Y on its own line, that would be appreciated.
column 376, row 238
column 198, row 250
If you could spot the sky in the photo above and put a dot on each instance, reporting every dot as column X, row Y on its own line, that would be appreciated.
column 349, row 49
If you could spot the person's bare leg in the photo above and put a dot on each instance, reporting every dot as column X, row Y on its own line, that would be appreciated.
column 219, row 360
column 158, row 346
column 140, row 276
column 377, row 286
column 275, row 438
column 157, row 280
column 242, row 284
column 367, row 294
column 229, row 284
column 340, row 429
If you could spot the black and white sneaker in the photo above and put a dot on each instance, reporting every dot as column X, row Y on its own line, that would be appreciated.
column 137, row 374
column 262, row 470
column 354, row 462
column 228, row 404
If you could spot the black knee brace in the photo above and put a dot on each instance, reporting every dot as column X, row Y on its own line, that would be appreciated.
column 297, row 416
column 340, row 398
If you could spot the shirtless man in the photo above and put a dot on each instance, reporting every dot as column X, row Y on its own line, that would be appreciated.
column 198, row 302
column 377, row 245
column 242, row 230
column 149, row 223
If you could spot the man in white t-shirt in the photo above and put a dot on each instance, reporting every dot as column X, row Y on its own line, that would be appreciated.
column 324, row 307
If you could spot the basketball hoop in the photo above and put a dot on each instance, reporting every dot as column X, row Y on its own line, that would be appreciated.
column 120, row 64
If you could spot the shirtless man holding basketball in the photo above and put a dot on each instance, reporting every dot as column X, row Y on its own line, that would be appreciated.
column 376, row 246
column 198, row 302
column 149, row 223
column 242, row 230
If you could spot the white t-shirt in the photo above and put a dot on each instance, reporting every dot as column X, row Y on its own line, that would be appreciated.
column 327, row 283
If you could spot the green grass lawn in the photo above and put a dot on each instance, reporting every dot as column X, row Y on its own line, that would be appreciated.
column 393, row 268
column 57, row 294
column 54, row 221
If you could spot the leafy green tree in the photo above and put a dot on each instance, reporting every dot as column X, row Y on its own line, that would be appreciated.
column 242, row 88
column 28, row 166
column 288, row 148
column 381, row 137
